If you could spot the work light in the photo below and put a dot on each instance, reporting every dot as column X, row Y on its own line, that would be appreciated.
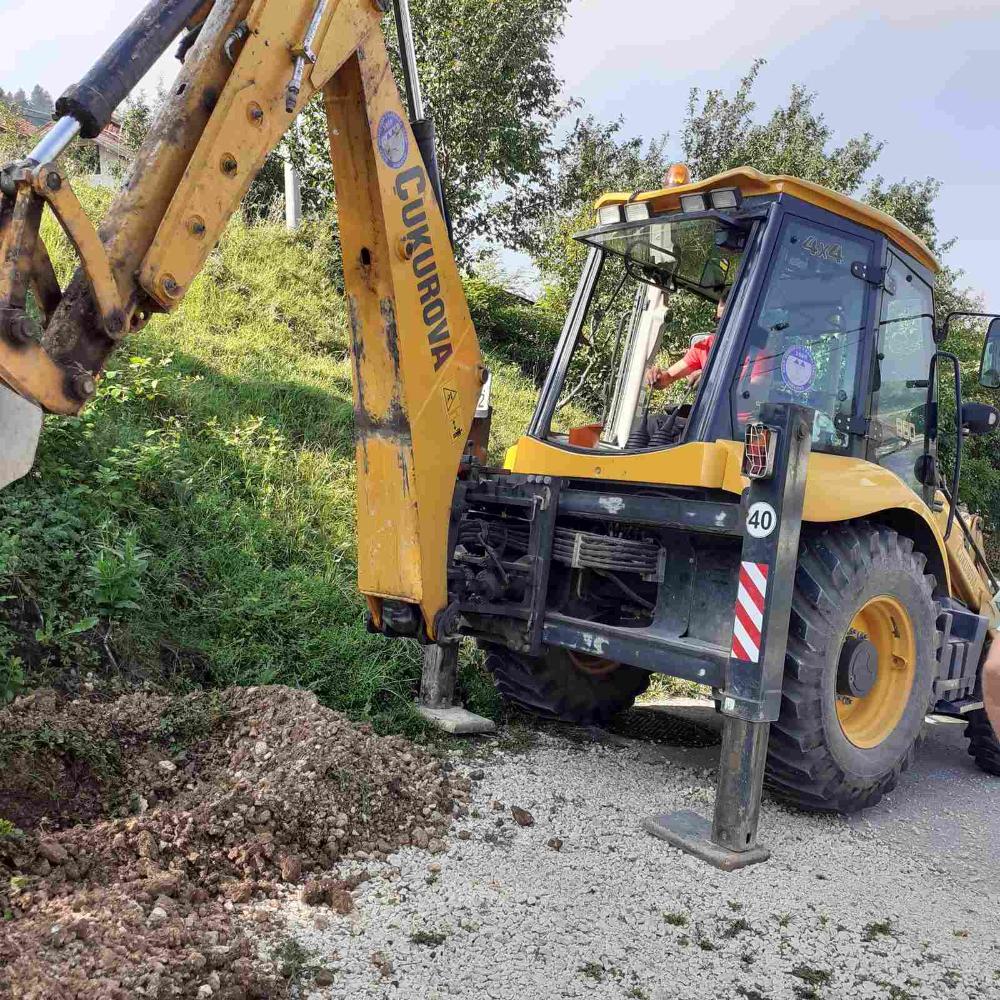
column 609, row 215
column 725, row 198
column 693, row 203
column 636, row 210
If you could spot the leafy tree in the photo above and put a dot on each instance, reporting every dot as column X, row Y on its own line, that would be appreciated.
column 12, row 144
column 489, row 83
column 595, row 159
column 136, row 118
column 41, row 100
column 19, row 98
column 720, row 132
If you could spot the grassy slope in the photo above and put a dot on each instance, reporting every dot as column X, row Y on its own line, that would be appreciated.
column 197, row 522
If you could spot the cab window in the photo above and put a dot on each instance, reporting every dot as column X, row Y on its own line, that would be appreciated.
column 805, row 340
column 906, row 347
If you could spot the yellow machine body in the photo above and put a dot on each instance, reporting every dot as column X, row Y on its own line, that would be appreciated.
column 838, row 489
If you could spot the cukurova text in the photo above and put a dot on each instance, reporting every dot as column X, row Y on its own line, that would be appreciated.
column 411, row 189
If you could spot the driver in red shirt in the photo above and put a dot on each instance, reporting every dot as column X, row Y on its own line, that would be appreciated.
column 692, row 365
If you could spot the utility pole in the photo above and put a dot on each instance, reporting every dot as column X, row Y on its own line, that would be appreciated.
column 293, row 195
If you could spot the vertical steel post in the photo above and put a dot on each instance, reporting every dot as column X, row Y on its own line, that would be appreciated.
column 772, row 517
column 293, row 195
column 772, row 522
column 440, row 674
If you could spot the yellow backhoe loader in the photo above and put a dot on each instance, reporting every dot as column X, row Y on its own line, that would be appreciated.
column 785, row 535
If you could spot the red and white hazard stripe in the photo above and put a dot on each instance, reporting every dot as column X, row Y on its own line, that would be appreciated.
column 751, row 600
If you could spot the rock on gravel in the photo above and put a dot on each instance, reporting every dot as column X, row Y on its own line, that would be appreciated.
column 617, row 914
column 143, row 892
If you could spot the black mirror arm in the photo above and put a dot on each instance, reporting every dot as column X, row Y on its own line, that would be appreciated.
column 941, row 334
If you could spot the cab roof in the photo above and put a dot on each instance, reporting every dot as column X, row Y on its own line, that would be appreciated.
column 752, row 183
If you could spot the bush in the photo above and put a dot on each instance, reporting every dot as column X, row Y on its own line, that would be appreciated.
column 512, row 328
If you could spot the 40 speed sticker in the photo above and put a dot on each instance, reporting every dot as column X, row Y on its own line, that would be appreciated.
column 762, row 519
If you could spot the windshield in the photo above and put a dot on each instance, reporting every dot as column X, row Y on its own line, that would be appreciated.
column 684, row 252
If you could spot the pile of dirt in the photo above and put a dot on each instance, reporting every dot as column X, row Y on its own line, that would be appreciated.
column 150, row 822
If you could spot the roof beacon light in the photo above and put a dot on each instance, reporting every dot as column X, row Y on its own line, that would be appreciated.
column 725, row 198
column 677, row 176
column 636, row 210
column 609, row 215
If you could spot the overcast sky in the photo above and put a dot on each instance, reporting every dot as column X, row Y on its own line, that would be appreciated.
column 920, row 74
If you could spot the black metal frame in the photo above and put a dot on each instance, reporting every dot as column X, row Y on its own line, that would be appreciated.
column 933, row 428
column 751, row 692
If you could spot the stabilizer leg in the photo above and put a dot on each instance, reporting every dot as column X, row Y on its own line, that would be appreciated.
column 437, row 694
column 729, row 842
column 776, row 460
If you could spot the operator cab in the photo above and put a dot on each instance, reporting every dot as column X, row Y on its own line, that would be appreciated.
column 829, row 304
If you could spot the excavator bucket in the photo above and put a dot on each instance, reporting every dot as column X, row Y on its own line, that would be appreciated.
column 20, row 428
column 418, row 371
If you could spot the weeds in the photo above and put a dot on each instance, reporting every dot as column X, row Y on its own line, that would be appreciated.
column 428, row 939
column 296, row 962
column 103, row 759
column 117, row 573
column 811, row 976
column 880, row 928
column 736, row 927
column 592, row 970
column 676, row 919
column 11, row 678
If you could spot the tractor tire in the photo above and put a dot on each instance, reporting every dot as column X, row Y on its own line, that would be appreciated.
column 564, row 685
column 983, row 743
column 859, row 670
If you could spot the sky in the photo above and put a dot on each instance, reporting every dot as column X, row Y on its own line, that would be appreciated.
column 919, row 74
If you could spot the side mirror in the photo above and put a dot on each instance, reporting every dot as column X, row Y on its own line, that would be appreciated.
column 979, row 419
column 699, row 338
column 989, row 370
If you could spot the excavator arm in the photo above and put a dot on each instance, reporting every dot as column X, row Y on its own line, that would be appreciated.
column 250, row 66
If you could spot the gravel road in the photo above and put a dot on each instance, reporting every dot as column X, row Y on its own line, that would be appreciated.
column 872, row 908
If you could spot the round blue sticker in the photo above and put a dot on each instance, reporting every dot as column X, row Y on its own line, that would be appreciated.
column 393, row 142
column 798, row 369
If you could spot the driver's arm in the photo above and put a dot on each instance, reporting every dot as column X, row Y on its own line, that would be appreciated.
column 659, row 378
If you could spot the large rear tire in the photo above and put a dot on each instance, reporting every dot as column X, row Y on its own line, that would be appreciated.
column 565, row 685
column 859, row 671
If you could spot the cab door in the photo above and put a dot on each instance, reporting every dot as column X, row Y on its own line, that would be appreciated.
column 902, row 366
column 809, row 334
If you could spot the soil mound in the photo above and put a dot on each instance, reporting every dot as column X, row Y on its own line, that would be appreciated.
column 146, row 824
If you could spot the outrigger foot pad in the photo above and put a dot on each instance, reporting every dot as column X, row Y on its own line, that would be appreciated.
column 456, row 721
column 691, row 833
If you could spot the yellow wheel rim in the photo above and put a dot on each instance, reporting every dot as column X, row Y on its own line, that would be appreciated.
column 870, row 720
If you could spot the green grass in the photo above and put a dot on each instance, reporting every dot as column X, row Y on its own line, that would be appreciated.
column 196, row 525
